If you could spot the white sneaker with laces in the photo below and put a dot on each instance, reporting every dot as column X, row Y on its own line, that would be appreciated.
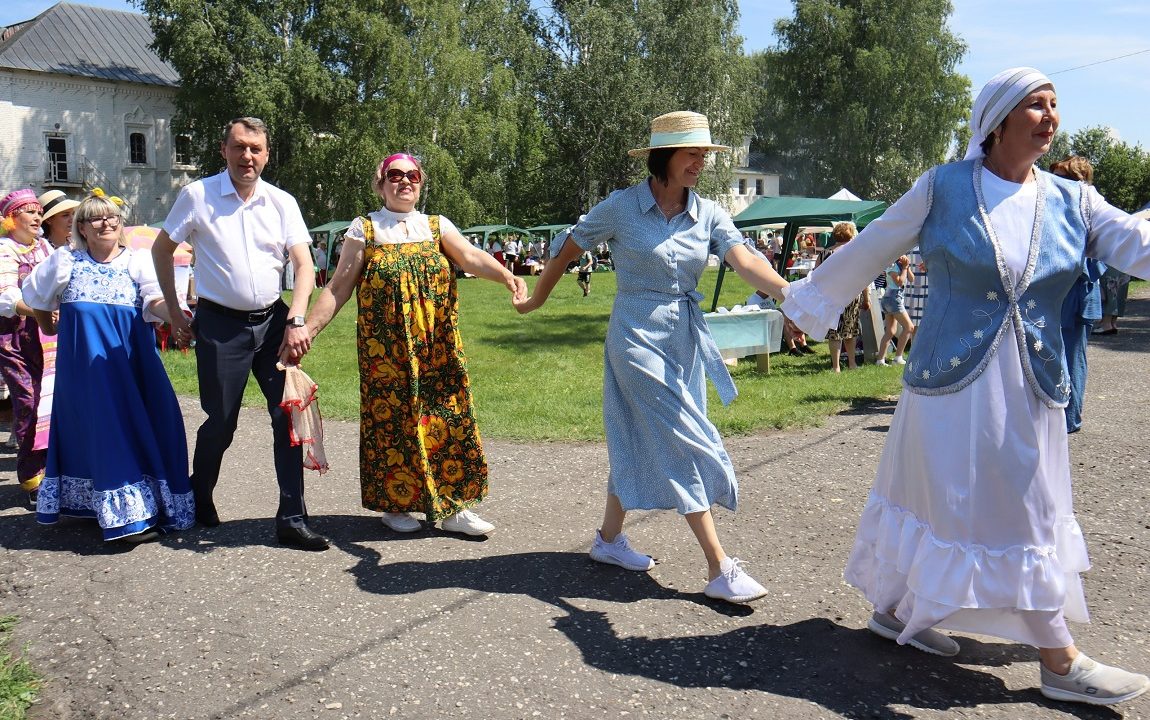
column 468, row 523
column 898, row 360
column 734, row 585
column 619, row 552
column 401, row 522
column 881, row 361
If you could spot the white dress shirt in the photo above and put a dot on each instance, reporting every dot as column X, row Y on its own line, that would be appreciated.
column 241, row 247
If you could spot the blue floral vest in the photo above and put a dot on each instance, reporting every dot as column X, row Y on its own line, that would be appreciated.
column 972, row 302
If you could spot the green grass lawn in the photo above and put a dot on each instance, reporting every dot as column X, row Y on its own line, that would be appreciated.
column 18, row 682
column 540, row 376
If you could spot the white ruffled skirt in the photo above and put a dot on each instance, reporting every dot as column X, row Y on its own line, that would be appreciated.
column 970, row 524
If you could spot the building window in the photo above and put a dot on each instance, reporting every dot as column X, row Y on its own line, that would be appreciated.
column 137, row 149
column 183, row 150
column 742, row 186
column 57, row 158
column 758, row 186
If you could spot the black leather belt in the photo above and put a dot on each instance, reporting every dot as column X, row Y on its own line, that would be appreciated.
column 252, row 317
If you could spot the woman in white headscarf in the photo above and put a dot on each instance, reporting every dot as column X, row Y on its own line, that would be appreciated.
column 970, row 525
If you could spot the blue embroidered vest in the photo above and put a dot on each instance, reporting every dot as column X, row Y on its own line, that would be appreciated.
column 972, row 301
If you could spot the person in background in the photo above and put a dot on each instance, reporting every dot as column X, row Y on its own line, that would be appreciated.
column 21, row 355
column 899, row 276
column 1082, row 307
column 586, row 267
column 1115, row 287
column 419, row 444
column 56, row 223
column 970, row 523
column 320, row 264
column 794, row 339
column 129, row 471
column 847, row 332
column 664, row 451
column 243, row 231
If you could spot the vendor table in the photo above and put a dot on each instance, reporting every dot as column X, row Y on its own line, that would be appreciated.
column 747, row 332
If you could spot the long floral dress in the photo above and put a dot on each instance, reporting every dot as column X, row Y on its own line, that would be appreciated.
column 420, row 449
column 21, row 356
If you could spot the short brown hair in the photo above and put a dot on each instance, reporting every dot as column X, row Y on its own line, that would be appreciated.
column 1074, row 167
column 844, row 231
column 251, row 123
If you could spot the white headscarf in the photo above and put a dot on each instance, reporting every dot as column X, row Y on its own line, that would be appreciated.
column 997, row 98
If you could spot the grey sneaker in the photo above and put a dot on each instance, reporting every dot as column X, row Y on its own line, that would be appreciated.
column 619, row 552
column 929, row 641
column 1094, row 683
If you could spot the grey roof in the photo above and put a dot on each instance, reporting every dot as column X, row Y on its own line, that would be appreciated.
column 86, row 41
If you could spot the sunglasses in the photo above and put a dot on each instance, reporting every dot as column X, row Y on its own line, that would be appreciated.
column 394, row 176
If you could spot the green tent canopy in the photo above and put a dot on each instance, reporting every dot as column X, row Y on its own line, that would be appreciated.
column 548, row 231
column 795, row 213
column 326, row 234
column 488, row 230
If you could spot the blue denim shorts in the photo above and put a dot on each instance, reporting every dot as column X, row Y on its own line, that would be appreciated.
column 892, row 304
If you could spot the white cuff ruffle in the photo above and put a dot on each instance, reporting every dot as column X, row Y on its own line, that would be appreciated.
column 8, row 299
column 807, row 307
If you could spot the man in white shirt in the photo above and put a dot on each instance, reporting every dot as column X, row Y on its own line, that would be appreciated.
column 243, row 231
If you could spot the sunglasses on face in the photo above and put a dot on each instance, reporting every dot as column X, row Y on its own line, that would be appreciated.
column 413, row 176
column 109, row 221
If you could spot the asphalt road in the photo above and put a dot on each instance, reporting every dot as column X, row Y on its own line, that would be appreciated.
column 224, row 623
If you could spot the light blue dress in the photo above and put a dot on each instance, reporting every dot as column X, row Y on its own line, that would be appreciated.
column 664, row 451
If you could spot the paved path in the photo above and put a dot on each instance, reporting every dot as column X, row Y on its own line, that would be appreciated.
column 225, row 624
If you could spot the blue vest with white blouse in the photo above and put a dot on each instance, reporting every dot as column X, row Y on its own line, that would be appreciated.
column 972, row 301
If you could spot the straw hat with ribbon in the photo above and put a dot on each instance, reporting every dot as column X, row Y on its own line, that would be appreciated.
column 55, row 202
column 678, row 130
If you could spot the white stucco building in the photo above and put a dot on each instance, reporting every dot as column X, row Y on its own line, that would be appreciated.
column 85, row 102
column 751, row 179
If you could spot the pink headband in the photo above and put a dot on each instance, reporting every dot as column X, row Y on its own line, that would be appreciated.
column 392, row 158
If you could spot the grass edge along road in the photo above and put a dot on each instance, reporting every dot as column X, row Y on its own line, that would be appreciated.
column 18, row 682
column 540, row 376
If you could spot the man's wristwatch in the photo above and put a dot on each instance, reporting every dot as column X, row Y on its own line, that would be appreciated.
column 297, row 321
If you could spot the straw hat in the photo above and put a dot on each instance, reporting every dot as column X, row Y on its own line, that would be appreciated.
column 55, row 202
column 679, row 129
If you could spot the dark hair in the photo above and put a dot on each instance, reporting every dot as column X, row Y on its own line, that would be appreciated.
column 657, row 161
column 992, row 139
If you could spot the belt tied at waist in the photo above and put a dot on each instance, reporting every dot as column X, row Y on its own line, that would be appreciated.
column 713, row 363
column 252, row 317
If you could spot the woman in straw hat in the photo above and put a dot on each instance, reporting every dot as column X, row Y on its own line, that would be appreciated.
column 56, row 223
column 664, row 451
column 21, row 357
column 970, row 524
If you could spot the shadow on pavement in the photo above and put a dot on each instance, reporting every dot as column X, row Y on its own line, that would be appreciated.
column 848, row 671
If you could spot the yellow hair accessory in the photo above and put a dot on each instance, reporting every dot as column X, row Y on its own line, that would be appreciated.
column 7, row 225
column 99, row 192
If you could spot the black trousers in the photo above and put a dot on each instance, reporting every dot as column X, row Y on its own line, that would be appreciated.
column 227, row 349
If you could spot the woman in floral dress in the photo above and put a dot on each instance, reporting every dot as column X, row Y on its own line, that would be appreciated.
column 21, row 356
column 419, row 447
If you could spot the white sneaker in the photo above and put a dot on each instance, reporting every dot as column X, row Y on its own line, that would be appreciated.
column 734, row 585
column 620, row 553
column 881, row 361
column 898, row 360
column 401, row 522
column 1092, row 682
column 466, row 522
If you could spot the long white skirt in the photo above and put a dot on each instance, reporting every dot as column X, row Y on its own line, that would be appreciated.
column 970, row 524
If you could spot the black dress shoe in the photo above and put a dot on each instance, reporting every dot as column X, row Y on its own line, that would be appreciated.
column 206, row 514
column 806, row 350
column 794, row 352
column 301, row 537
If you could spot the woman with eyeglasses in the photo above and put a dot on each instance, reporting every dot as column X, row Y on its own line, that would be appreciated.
column 129, row 470
column 419, row 447
column 21, row 356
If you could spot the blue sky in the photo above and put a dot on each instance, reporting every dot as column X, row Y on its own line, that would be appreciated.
column 1052, row 35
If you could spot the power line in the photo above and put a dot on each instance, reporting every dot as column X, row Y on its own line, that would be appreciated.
column 1079, row 67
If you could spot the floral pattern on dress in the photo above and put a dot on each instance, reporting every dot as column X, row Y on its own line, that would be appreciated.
column 130, row 503
column 420, row 449
column 102, row 283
